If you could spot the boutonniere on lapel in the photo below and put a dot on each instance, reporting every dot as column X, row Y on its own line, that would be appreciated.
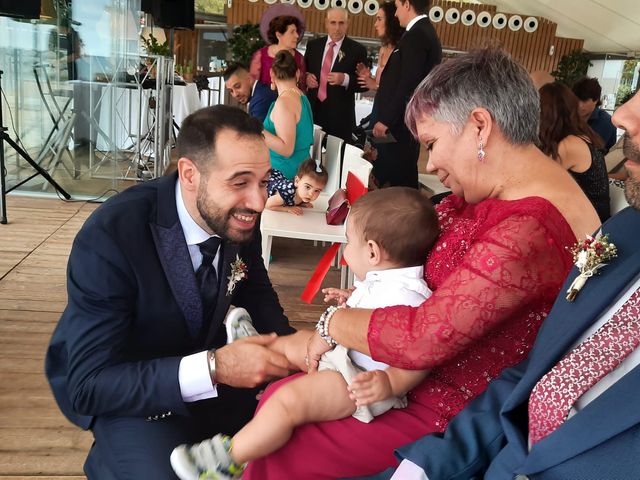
column 238, row 273
column 590, row 256
column 340, row 55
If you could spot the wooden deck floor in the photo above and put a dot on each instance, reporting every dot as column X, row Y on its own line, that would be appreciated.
column 35, row 439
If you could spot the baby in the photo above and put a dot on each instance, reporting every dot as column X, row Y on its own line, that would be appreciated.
column 389, row 234
column 292, row 196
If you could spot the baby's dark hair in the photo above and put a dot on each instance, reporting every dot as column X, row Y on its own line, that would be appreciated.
column 401, row 220
column 310, row 168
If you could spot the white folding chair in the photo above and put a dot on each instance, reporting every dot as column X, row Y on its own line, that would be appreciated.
column 333, row 163
column 312, row 225
column 617, row 200
column 316, row 149
column 354, row 163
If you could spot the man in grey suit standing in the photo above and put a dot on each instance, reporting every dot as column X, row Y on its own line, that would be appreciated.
column 331, row 76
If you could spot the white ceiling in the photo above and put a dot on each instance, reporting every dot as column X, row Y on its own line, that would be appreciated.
column 607, row 26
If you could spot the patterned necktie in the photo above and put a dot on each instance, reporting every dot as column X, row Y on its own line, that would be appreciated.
column 554, row 395
column 207, row 279
column 324, row 72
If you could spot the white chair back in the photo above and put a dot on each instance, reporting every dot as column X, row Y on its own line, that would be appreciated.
column 333, row 163
column 617, row 200
column 353, row 162
column 316, row 148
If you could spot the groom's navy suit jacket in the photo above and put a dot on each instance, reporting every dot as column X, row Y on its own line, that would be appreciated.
column 134, row 309
column 488, row 439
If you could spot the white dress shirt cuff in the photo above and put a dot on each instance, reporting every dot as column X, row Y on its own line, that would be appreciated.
column 409, row 471
column 194, row 379
column 345, row 81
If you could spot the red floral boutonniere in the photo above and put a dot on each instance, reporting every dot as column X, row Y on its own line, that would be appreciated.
column 238, row 273
column 590, row 256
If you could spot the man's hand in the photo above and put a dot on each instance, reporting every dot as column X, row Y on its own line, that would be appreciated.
column 335, row 78
column 340, row 295
column 380, row 129
column 370, row 387
column 248, row 362
column 315, row 348
column 312, row 81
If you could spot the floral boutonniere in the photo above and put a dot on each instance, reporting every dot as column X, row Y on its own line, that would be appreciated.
column 590, row 256
column 340, row 55
column 238, row 273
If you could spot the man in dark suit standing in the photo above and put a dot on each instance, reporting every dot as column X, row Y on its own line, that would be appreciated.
column 570, row 410
column 417, row 53
column 139, row 354
column 331, row 76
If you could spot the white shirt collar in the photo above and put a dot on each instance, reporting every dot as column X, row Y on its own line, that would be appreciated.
column 338, row 43
column 411, row 273
column 193, row 233
column 414, row 21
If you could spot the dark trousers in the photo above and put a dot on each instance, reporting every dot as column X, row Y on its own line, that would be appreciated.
column 134, row 448
column 397, row 163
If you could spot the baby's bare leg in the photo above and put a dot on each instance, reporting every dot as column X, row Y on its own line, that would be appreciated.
column 317, row 397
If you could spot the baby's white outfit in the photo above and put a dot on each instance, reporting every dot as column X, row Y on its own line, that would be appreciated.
column 381, row 288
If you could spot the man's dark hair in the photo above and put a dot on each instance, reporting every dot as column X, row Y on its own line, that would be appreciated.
column 420, row 6
column 234, row 68
column 198, row 132
column 588, row 89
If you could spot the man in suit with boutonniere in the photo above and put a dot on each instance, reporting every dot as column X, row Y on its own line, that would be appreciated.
column 139, row 355
column 418, row 51
column 332, row 80
column 570, row 410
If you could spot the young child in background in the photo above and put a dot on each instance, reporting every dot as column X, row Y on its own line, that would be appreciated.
column 292, row 196
column 387, row 253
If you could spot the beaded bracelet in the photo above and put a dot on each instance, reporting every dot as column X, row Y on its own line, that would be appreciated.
column 322, row 327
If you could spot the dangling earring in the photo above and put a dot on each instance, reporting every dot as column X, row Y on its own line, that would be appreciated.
column 481, row 153
column 273, row 86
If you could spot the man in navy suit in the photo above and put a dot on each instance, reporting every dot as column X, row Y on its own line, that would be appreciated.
column 599, row 438
column 335, row 112
column 243, row 88
column 134, row 358
column 418, row 51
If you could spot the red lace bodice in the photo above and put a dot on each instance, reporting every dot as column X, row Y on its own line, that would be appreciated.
column 496, row 270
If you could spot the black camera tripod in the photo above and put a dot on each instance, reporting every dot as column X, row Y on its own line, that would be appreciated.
column 4, row 136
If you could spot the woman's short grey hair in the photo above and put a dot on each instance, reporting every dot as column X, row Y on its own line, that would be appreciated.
column 487, row 78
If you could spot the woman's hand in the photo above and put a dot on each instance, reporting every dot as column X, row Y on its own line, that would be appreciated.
column 340, row 295
column 315, row 348
column 370, row 387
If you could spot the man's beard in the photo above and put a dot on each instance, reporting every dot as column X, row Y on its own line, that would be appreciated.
column 218, row 220
column 631, row 152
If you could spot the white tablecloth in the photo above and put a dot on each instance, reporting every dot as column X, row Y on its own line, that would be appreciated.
column 363, row 108
column 185, row 101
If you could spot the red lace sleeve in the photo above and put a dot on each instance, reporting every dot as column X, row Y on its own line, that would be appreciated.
column 256, row 64
column 507, row 269
column 302, row 79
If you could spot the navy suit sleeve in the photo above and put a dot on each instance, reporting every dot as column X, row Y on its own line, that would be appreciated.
column 257, row 295
column 360, row 55
column 101, row 307
column 472, row 439
column 260, row 101
column 416, row 60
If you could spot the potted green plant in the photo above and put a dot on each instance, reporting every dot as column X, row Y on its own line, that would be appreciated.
column 153, row 47
column 571, row 68
column 245, row 40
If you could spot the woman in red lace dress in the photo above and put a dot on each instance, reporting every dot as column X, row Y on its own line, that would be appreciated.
column 495, row 270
